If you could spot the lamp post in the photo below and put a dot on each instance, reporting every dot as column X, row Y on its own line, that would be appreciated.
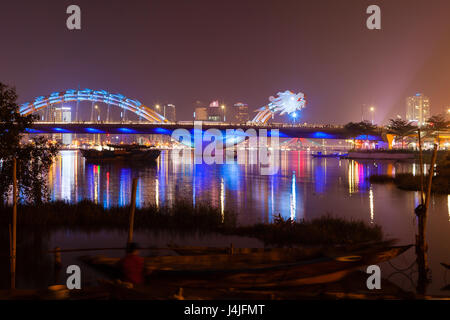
column 223, row 112
column 98, row 113
column 372, row 112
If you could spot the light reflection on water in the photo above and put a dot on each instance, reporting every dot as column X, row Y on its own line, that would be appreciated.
column 304, row 188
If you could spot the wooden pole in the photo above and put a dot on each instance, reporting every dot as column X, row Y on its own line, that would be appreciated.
column 422, row 200
column 132, row 210
column 421, row 246
column 430, row 177
column 14, row 227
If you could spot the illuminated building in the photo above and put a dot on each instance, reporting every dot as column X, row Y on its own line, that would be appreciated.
column 240, row 113
column 214, row 111
column 62, row 114
column 418, row 109
column 201, row 111
column 169, row 112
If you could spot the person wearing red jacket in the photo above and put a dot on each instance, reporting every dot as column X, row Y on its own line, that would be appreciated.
column 132, row 265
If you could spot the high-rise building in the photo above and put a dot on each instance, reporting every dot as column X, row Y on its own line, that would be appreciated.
column 170, row 112
column 215, row 113
column 200, row 111
column 240, row 113
column 418, row 109
column 62, row 114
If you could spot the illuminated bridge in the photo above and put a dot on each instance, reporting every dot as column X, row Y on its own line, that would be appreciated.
column 148, row 121
column 285, row 131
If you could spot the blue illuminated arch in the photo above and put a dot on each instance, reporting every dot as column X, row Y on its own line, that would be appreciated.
column 100, row 96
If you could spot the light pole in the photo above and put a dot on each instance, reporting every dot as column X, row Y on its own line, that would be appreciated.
column 372, row 112
column 223, row 112
column 98, row 113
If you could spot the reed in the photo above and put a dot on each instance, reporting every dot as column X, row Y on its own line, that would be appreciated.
column 182, row 217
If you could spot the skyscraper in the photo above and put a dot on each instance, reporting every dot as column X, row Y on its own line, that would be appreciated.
column 214, row 111
column 200, row 111
column 240, row 113
column 170, row 112
column 418, row 109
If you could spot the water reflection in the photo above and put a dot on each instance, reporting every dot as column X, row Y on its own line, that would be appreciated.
column 303, row 186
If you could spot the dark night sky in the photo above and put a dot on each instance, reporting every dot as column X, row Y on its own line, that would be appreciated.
column 234, row 50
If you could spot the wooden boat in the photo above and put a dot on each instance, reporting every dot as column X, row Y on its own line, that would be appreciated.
column 330, row 155
column 281, row 268
column 308, row 251
column 124, row 152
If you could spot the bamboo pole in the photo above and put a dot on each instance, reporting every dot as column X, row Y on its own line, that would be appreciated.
column 422, row 200
column 430, row 177
column 421, row 246
column 14, row 227
column 132, row 210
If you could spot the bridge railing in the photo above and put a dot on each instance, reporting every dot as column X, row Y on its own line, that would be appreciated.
column 191, row 123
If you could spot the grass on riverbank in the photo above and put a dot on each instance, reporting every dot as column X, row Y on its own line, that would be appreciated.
column 409, row 182
column 183, row 216
column 326, row 230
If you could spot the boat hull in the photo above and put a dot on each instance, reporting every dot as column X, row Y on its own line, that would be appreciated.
column 273, row 269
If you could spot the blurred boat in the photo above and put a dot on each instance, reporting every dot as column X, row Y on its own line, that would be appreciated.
column 124, row 152
column 329, row 155
column 278, row 268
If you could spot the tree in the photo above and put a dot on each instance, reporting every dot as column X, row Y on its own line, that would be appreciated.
column 33, row 158
column 436, row 124
column 357, row 129
column 401, row 128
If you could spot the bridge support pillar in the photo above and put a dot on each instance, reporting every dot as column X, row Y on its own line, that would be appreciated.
column 390, row 140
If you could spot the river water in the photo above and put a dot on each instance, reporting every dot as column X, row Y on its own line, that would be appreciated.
column 304, row 188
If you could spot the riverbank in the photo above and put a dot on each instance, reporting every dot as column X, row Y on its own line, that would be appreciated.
column 409, row 182
column 394, row 154
column 182, row 216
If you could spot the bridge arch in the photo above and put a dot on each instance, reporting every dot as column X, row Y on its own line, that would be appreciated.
column 100, row 96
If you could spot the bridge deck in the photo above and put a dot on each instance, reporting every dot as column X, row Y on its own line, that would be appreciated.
column 285, row 130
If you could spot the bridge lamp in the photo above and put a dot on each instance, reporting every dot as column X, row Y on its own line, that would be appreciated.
column 372, row 111
column 223, row 111
column 294, row 116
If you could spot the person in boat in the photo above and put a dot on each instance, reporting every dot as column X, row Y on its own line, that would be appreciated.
column 132, row 265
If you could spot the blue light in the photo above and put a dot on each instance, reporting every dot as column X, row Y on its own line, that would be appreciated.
column 162, row 131
column 32, row 130
column 61, row 130
column 295, row 115
column 368, row 137
column 322, row 135
column 93, row 130
column 90, row 95
column 127, row 130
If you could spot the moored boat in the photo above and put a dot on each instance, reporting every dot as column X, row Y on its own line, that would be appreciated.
column 127, row 152
column 261, row 269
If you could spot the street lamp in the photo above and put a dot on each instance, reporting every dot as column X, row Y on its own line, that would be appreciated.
column 372, row 111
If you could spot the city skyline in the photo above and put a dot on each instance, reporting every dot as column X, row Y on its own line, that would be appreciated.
column 167, row 52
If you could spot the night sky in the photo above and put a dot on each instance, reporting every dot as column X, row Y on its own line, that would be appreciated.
column 168, row 51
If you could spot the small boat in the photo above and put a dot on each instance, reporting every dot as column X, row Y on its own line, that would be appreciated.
column 127, row 152
column 308, row 251
column 262, row 269
column 329, row 155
